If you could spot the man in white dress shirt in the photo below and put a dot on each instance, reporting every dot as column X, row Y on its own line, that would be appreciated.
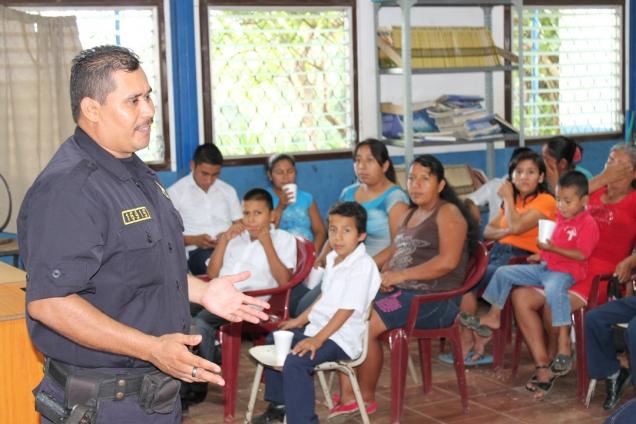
column 208, row 206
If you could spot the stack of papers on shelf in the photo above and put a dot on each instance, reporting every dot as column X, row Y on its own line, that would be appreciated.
column 441, row 47
column 449, row 118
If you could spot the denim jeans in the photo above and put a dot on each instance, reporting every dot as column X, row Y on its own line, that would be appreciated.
column 555, row 286
column 499, row 255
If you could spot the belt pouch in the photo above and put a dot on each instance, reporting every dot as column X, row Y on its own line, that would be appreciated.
column 158, row 393
column 81, row 390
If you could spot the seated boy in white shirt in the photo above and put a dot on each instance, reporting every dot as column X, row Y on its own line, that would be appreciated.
column 335, row 323
column 252, row 245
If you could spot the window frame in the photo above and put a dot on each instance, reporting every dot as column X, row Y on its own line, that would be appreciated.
column 166, row 164
column 206, row 72
column 508, row 106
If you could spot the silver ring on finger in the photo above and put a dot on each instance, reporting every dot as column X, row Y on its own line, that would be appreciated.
column 194, row 372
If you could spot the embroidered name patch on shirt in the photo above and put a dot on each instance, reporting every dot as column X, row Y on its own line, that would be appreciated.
column 130, row 216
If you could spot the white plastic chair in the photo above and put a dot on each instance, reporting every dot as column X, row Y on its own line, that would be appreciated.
column 265, row 357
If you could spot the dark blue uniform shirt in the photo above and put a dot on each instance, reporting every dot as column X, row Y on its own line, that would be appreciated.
column 104, row 229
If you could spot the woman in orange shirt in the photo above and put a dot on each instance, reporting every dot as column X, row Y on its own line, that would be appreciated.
column 514, row 230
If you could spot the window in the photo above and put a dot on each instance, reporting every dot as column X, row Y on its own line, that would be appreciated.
column 279, row 79
column 573, row 70
column 137, row 27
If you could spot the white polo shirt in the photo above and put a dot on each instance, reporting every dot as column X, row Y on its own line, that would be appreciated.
column 352, row 284
column 487, row 193
column 205, row 213
column 243, row 254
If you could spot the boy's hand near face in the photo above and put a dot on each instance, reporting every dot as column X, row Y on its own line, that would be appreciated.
column 263, row 234
column 234, row 230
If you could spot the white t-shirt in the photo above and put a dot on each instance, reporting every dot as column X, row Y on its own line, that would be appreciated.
column 205, row 213
column 487, row 193
column 243, row 254
column 352, row 284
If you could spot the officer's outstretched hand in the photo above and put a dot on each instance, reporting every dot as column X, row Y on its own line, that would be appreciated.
column 221, row 297
column 170, row 354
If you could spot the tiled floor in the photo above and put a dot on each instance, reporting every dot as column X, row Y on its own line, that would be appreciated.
column 495, row 398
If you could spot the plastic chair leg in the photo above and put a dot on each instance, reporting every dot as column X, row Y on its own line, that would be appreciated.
column 399, row 364
column 425, row 365
column 231, row 350
column 460, row 370
column 258, row 375
column 516, row 353
column 581, row 357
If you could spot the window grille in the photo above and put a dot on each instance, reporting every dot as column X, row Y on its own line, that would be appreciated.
column 281, row 79
column 572, row 71
column 134, row 27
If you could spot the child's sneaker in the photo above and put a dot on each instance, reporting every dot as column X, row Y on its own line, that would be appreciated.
column 342, row 411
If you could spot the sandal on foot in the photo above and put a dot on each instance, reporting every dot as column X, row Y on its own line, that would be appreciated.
column 531, row 384
column 561, row 364
column 544, row 387
column 472, row 322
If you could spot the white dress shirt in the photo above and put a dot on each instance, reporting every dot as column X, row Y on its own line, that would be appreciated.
column 352, row 284
column 205, row 213
column 243, row 254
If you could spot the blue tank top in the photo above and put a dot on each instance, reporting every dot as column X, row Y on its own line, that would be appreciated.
column 295, row 217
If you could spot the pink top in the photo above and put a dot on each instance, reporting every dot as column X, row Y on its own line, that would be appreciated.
column 579, row 232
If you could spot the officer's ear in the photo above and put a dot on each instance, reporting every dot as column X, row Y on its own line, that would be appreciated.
column 90, row 109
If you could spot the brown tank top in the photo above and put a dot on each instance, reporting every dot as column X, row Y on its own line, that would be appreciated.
column 419, row 244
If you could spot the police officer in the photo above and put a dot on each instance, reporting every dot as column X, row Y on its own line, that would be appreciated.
column 108, row 290
column 602, row 362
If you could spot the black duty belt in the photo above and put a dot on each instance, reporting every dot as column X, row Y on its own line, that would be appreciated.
column 100, row 386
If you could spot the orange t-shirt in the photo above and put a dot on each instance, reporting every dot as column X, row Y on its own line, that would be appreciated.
column 546, row 205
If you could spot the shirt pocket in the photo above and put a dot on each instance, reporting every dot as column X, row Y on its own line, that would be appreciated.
column 143, row 254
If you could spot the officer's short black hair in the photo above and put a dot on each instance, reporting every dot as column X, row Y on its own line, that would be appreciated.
column 207, row 153
column 353, row 210
column 91, row 73
column 575, row 179
column 260, row 194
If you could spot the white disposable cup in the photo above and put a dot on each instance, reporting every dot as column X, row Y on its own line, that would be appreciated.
column 315, row 277
column 292, row 189
column 282, row 341
column 546, row 228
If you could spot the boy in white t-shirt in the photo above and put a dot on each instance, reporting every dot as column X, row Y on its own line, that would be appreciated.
column 335, row 323
column 252, row 245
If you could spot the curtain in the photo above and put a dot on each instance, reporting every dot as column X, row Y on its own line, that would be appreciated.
column 35, row 112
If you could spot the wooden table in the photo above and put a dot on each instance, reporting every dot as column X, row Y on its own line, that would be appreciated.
column 9, row 274
column 21, row 366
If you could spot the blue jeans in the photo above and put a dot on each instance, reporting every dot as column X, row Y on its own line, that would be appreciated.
column 599, row 337
column 295, row 385
column 555, row 286
column 498, row 256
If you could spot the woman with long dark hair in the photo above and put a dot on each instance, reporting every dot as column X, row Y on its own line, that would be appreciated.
column 429, row 254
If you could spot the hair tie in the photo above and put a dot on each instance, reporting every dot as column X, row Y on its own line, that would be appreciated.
column 578, row 156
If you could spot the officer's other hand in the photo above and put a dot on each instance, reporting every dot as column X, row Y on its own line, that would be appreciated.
column 223, row 299
column 171, row 355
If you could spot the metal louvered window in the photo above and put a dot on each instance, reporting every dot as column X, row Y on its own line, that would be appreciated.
column 281, row 79
column 573, row 70
column 134, row 27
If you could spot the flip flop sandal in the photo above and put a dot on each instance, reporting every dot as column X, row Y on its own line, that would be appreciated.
column 472, row 322
column 531, row 384
column 561, row 365
column 544, row 387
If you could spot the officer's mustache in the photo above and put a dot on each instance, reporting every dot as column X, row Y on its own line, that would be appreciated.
column 146, row 123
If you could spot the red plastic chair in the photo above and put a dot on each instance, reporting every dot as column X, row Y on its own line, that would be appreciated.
column 399, row 339
column 230, row 334
column 599, row 284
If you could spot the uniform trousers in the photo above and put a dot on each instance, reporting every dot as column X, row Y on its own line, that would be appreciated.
column 599, row 336
column 294, row 386
column 196, row 260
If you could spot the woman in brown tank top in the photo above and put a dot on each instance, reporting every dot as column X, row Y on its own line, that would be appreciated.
column 429, row 254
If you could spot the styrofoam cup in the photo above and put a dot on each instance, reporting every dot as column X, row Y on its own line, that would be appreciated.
column 291, row 189
column 546, row 228
column 315, row 277
column 282, row 341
